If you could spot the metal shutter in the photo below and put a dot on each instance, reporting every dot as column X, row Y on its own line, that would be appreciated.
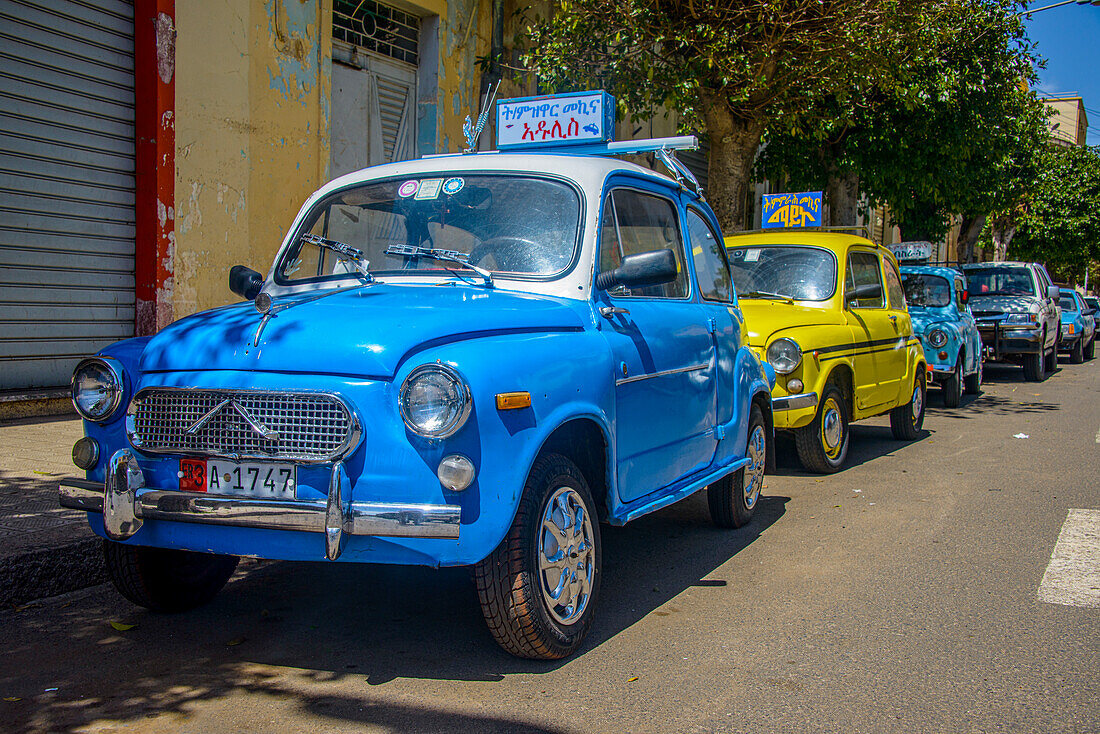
column 66, row 185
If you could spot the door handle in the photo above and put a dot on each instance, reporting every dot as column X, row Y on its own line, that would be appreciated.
column 609, row 311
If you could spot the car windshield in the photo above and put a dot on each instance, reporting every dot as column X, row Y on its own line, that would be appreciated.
column 783, row 271
column 1067, row 303
column 502, row 223
column 1092, row 303
column 925, row 290
column 999, row 281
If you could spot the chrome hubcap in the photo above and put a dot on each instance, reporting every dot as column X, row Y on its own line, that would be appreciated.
column 754, row 480
column 566, row 556
column 831, row 429
column 918, row 402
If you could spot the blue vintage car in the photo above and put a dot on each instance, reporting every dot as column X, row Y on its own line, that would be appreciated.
column 937, row 300
column 1078, row 336
column 461, row 360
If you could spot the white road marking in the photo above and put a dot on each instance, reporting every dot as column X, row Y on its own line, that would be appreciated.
column 1072, row 577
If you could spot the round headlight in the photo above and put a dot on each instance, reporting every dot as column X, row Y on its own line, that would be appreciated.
column 434, row 401
column 937, row 338
column 97, row 388
column 784, row 355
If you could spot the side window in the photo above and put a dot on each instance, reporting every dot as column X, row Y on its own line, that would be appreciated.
column 863, row 269
column 636, row 222
column 893, row 287
column 709, row 254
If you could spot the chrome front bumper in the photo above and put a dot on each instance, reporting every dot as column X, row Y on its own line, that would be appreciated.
column 794, row 402
column 125, row 502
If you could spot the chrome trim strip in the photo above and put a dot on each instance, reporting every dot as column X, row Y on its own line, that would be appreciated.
column 350, row 444
column 662, row 373
column 379, row 519
column 794, row 402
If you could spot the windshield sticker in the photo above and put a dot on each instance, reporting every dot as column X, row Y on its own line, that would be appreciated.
column 407, row 189
column 752, row 256
column 429, row 188
column 453, row 185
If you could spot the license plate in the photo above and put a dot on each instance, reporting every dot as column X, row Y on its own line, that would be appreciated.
column 218, row 476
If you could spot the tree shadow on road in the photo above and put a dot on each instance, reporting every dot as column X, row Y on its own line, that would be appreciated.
column 866, row 443
column 319, row 636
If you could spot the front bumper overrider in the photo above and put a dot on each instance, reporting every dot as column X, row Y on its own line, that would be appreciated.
column 126, row 502
column 1004, row 340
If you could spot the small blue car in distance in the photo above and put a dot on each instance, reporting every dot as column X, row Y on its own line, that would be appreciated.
column 459, row 360
column 1078, row 336
column 937, row 300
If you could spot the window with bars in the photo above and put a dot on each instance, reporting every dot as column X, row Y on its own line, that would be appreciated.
column 372, row 26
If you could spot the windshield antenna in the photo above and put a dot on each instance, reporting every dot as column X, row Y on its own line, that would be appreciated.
column 472, row 131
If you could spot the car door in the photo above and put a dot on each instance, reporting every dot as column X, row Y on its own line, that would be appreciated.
column 663, row 351
column 719, row 304
column 876, row 332
column 969, row 328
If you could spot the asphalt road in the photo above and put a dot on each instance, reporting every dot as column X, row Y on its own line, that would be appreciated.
column 900, row 595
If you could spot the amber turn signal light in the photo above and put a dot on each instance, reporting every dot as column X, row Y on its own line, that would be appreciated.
column 513, row 400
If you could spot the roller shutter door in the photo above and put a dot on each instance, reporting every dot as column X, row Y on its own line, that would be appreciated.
column 66, row 185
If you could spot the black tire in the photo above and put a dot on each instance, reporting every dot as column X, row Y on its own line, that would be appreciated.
column 1077, row 352
column 1051, row 365
column 166, row 580
column 816, row 450
column 1034, row 365
column 511, row 582
column 732, row 501
column 1090, row 348
column 907, row 420
column 974, row 381
column 953, row 386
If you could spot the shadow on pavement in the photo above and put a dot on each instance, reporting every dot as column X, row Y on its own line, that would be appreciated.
column 318, row 634
column 866, row 443
column 973, row 406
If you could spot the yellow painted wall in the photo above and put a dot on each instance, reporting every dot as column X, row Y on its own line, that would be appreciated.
column 252, row 125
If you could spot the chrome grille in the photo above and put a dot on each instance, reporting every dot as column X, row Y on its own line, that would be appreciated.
column 299, row 426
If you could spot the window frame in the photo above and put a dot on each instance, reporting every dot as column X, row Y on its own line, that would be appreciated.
column 881, row 280
column 724, row 256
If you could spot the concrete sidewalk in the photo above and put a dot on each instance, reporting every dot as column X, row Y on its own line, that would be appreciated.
column 44, row 549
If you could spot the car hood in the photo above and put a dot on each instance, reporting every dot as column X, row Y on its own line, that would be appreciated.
column 1003, row 304
column 924, row 318
column 365, row 332
column 763, row 319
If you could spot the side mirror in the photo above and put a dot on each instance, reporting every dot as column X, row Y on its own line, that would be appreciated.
column 245, row 282
column 645, row 268
column 1053, row 293
column 860, row 292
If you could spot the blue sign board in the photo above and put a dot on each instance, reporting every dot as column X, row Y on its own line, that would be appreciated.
column 555, row 120
column 791, row 210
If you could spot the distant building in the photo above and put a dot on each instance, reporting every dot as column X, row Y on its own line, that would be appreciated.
column 1069, row 123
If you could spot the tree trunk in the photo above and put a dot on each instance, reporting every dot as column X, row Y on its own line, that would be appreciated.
column 842, row 193
column 969, row 232
column 733, row 144
column 1003, row 231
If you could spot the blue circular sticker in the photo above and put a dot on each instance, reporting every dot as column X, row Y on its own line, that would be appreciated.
column 453, row 185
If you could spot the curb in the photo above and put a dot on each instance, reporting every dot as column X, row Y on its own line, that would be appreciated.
column 37, row 574
column 34, row 403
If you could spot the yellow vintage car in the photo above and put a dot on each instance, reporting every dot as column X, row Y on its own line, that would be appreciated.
column 827, row 311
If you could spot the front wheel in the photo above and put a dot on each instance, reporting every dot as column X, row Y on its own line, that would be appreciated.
column 952, row 386
column 907, row 420
column 823, row 444
column 1033, row 365
column 539, row 587
column 166, row 580
column 1090, row 349
column 733, row 498
column 1077, row 352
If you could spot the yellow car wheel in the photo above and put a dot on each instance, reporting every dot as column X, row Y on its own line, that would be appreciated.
column 823, row 445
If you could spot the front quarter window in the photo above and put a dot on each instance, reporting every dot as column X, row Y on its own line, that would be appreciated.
column 508, row 224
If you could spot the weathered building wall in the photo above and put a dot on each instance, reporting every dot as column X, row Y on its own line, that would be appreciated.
column 252, row 123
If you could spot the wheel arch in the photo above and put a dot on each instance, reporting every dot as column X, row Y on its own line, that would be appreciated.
column 587, row 444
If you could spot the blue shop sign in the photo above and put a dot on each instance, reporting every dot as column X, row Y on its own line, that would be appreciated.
column 791, row 210
column 580, row 117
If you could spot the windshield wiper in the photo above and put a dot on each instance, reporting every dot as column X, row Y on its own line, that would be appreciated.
column 452, row 256
column 766, row 294
column 344, row 253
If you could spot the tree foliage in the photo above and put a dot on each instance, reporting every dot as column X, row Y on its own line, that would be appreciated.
column 953, row 130
column 1060, row 224
column 727, row 66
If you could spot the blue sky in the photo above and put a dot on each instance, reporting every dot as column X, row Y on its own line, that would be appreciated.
column 1069, row 39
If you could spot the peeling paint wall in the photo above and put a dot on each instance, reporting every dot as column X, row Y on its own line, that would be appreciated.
column 252, row 123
